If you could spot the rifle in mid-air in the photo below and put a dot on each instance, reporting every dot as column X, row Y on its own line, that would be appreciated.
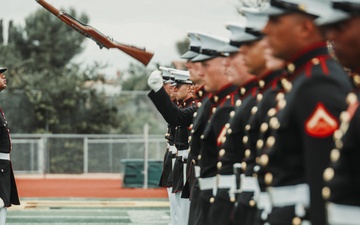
column 137, row 53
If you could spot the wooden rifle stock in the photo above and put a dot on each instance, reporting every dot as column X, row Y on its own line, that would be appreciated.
column 137, row 53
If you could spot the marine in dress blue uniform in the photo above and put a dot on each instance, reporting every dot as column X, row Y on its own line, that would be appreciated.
column 221, row 101
column 8, row 191
column 305, row 117
column 232, row 149
column 342, row 177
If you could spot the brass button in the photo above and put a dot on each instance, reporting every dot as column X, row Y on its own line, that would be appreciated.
column 326, row 193
column 282, row 103
column 274, row 123
column 212, row 199
column 254, row 110
column 335, row 155
column 259, row 144
column 252, row 203
column 195, row 114
column 199, row 157
column 268, row 178
column 338, row 144
column 328, row 174
column 259, row 97
column 216, row 98
column 242, row 91
column 199, row 104
column 280, row 96
column 247, row 153
column 232, row 113
column 238, row 103
column 243, row 166
column 351, row 98
column 222, row 152
column 291, row 67
column 296, row 221
column 338, row 134
column 345, row 116
column 223, row 139
column 232, row 199
column 264, row 160
column 229, row 131
column 245, row 139
column 261, row 83
column 227, row 125
column 219, row 165
column 315, row 61
column 228, row 96
column 271, row 112
column 264, row 127
column 214, row 110
column 270, row 141
column 247, row 127
column 202, row 137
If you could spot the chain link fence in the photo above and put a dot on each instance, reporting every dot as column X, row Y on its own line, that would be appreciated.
column 75, row 154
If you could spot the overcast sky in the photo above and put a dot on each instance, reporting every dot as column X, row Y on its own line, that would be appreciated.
column 154, row 24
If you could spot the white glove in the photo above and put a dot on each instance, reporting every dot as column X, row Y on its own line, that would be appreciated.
column 155, row 80
column 2, row 204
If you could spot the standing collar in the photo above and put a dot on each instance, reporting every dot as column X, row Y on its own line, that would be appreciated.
column 305, row 55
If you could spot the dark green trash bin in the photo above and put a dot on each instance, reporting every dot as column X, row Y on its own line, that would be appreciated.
column 134, row 176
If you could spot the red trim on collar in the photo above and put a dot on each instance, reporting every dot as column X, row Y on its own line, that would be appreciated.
column 221, row 89
column 305, row 50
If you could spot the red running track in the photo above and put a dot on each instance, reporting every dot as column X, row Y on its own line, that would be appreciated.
column 89, row 186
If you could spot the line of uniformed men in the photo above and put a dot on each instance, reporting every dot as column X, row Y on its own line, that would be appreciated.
column 274, row 134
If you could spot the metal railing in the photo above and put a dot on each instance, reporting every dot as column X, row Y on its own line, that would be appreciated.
column 74, row 154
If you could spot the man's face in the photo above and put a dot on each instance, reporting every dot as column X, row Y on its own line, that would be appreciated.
column 195, row 71
column 235, row 68
column 2, row 81
column 214, row 71
column 254, row 56
column 283, row 34
column 346, row 42
column 182, row 91
column 169, row 90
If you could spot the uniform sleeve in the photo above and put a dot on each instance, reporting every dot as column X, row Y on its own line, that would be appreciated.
column 171, row 112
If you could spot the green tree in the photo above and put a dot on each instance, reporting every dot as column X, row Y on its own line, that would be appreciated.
column 48, row 85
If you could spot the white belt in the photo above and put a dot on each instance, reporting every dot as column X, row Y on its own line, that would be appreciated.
column 249, row 184
column 173, row 149
column 290, row 195
column 226, row 181
column 264, row 201
column 343, row 214
column 207, row 183
column 183, row 153
column 5, row 156
column 197, row 171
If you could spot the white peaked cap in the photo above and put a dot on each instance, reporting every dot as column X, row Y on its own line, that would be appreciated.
column 317, row 8
column 237, row 35
column 339, row 10
column 167, row 76
column 211, row 47
column 194, row 46
column 181, row 76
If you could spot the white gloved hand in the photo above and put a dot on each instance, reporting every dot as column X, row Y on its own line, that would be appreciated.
column 2, row 204
column 155, row 80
